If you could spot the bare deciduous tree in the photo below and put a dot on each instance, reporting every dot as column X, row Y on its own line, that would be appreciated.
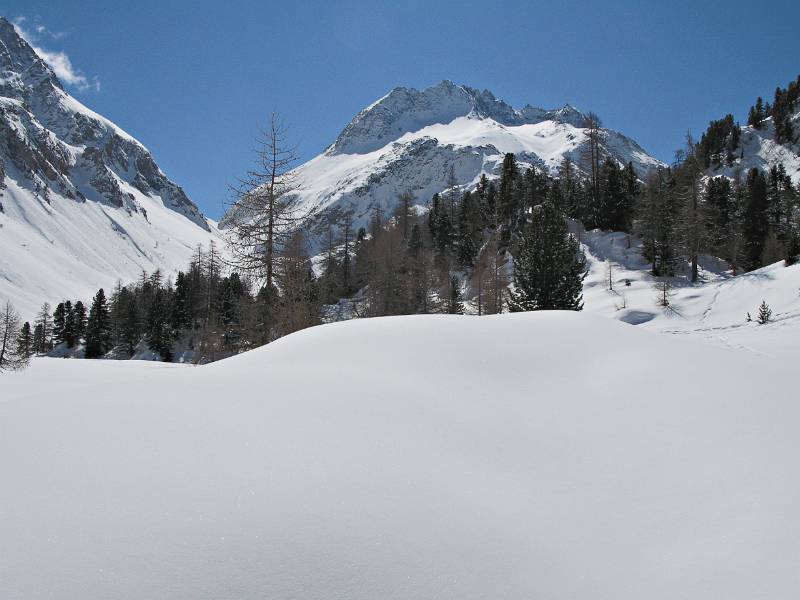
column 592, row 125
column 11, row 359
column 265, row 212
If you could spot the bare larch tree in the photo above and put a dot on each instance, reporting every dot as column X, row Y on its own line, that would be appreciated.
column 11, row 359
column 265, row 210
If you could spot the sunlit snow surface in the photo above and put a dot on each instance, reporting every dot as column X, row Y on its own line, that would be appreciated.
column 714, row 310
column 540, row 455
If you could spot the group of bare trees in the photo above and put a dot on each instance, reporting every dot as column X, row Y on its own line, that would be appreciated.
column 16, row 341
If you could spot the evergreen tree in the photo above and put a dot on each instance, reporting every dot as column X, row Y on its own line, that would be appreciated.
column 507, row 198
column 68, row 333
column 756, row 117
column 658, row 222
column 455, row 300
column 44, row 324
column 693, row 218
column 37, row 337
column 131, row 329
column 98, row 327
column 159, row 333
column 59, row 320
column 79, row 320
column 25, row 340
column 631, row 191
column 755, row 219
column 549, row 267
column 764, row 313
column 468, row 226
column 614, row 211
column 180, row 309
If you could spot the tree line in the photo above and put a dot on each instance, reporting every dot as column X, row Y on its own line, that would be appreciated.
column 500, row 245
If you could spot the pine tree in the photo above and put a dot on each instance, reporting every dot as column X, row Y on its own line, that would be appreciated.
column 792, row 248
column 180, row 310
column 98, row 327
column 658, row 222
column 631, row 191
column 616, row 197
column 79, row 320
column 549, row 267
column 25, row 340
column 507, row 198
column 764, row 313
column 68, row 333
column 755, row 219
column 467, row 224
column 455, row 300
column 59, row 320
column 44, row 325
column 159, row 333
column 693, row 218
column 756, row 117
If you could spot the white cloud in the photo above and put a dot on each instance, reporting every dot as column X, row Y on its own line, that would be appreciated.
column 56, row 60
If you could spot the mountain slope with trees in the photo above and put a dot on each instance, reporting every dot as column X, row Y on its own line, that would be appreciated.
column 411, row 141
column 82, row 203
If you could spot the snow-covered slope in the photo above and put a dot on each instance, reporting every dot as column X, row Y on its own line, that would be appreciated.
column 714, row 310
column 408, row 140
column 82, row 203
column 543, row 455
column 760, row 150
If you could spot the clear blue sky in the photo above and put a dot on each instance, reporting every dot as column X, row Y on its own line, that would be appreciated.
column 193, row 80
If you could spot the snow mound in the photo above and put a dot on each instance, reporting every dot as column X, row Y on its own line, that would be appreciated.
column 541, row 455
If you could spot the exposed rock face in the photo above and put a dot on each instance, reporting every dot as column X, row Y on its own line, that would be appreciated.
column 405, row 110
column 82, row 203
column 55, row 143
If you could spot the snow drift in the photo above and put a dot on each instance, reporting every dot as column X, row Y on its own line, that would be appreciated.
column 541, row 455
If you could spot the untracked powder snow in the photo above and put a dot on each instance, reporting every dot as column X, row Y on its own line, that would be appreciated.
column 539, row 455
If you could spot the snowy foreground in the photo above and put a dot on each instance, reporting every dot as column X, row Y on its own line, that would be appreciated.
column 543, row 455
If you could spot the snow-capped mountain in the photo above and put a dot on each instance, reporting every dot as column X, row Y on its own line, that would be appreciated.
column 82, row 202
column 409, row 139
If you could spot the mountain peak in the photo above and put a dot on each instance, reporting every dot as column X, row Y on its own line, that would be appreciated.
column 406, row 109
column 21, row 69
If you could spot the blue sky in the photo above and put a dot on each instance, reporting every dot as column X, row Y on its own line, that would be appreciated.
column 193, row 80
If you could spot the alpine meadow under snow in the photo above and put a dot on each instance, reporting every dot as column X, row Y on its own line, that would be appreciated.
column 628, row 432
column 513, row 456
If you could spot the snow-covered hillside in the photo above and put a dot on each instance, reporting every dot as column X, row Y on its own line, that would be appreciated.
column 82, row 203
column 539, row 455
column 760, row 150
column 409, row 139
column 713, row 310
